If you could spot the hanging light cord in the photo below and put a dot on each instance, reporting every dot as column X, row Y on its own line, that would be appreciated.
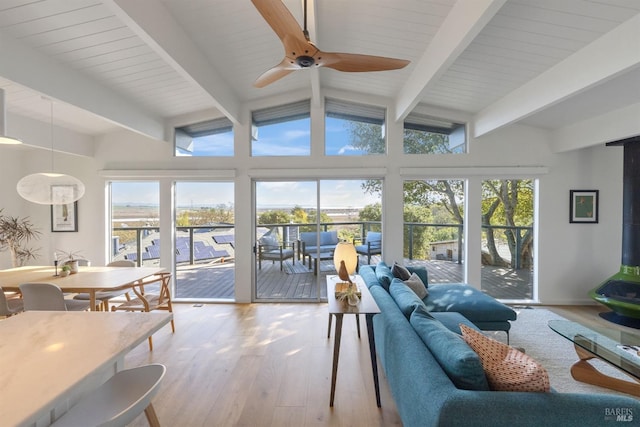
column 52, row 153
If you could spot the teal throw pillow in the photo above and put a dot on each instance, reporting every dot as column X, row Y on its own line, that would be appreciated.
column 461, row 364
column 384, row 276
column 405, row 298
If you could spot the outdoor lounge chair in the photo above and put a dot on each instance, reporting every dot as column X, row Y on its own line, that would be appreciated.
column 270, row 249
column 372, row 245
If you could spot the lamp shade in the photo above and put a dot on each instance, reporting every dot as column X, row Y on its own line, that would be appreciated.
column 346, row 252
column 50, row 188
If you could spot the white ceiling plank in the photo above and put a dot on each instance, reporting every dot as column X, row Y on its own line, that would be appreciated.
column 466, row 19
column 612, row 54
column 153, row 23
column 47, row 76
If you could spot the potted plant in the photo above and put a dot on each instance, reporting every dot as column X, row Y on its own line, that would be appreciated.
column 15, row 233
column 69, row 259
column 348, row 292
column 65, row 270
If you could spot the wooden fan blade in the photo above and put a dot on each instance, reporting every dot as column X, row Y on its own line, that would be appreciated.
column 276, row 73
column 352, row 62
column 284, row 25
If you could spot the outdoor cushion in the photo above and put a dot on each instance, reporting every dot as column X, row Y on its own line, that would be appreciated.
column 328, row 238
column 461, row 364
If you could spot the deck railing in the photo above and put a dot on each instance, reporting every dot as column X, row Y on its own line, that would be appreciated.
column 289, row 231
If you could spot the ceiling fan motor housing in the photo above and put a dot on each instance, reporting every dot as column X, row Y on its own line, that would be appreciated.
column 305, row 61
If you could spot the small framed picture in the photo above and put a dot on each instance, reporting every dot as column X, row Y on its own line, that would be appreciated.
column 584, row 206
column 64, row 217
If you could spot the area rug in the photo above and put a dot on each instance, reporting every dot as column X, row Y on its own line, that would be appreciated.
column 555, row 353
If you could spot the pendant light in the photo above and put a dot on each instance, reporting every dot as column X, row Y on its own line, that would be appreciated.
column 50, row 188
column 5, row 140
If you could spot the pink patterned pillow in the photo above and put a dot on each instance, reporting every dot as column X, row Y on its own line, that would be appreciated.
column 506, row 368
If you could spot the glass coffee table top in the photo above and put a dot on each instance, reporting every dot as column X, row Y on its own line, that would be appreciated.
column 623, row 352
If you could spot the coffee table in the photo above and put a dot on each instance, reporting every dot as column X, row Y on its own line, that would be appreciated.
column 316, row 258
column 622, row 353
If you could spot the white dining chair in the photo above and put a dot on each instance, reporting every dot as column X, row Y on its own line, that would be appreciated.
column 10, row 306
column 118, row 401
column 104, row 297
column 47, row 296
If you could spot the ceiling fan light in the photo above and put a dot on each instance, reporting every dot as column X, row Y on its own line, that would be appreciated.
column 48, row 188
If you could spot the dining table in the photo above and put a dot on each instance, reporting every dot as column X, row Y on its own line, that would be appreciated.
column 50, row 359
column 89, row 279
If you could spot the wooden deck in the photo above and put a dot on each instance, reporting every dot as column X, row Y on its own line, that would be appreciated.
column 298, row 283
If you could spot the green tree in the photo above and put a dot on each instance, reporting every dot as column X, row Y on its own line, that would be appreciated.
column 367, row 137
column 508, row 202
column 299, row 215
column 421, row 142
column 274, row 217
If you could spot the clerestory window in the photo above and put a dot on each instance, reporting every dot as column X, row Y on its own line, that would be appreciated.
column 284, row 130
column 428, row 135
column 209, row 138
column 354, row 129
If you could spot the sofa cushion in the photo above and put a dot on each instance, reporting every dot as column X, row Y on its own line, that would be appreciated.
column 507, row 369
column 400, row 271
column 461, row 364
column 421, row 272
column 415, row 283
column 468, row 301
column 383, row 273
column 405, row 298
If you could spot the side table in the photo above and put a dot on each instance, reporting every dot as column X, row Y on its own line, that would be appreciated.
column 366, row 306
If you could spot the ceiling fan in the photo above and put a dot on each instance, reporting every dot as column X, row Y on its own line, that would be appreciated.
column 300, row 53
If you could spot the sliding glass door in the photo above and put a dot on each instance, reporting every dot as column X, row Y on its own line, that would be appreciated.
column 204, row 240
column 298, row 224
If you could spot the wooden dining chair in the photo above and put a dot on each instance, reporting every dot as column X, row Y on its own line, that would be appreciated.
column 10, row 305
column 119, row 400
column 49, row 297
column 105, row 297
column 146, row 300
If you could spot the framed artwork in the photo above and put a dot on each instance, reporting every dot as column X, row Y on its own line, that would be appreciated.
column 584, row 206
column 64, row 217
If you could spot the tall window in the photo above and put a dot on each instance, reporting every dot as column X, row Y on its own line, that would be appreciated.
column 282, row 131
column 433, row 227
column 210, row 138
column 507, row 238
column 135, row 216
column 428, row 135
column 354, row 129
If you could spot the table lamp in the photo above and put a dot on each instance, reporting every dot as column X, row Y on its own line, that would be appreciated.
column 345, row 259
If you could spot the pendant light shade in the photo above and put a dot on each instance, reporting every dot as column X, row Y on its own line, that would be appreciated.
column 50, row 188
column 5, row 140
column 47, row 188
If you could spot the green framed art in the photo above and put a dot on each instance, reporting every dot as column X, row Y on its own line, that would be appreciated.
column 583, row 206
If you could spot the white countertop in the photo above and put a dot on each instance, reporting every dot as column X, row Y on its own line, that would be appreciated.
column 45, row 355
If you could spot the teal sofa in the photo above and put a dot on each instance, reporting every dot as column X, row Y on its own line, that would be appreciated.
column 427, row 394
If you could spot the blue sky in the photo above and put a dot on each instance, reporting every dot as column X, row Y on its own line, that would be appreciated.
column 282, row 139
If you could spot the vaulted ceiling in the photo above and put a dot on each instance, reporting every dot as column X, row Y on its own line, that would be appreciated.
column 138, row 64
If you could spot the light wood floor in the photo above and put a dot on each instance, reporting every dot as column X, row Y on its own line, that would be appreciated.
column 270, row 365
column 262, row 365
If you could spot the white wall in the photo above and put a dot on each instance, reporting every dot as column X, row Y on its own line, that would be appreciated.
column 572, row 258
